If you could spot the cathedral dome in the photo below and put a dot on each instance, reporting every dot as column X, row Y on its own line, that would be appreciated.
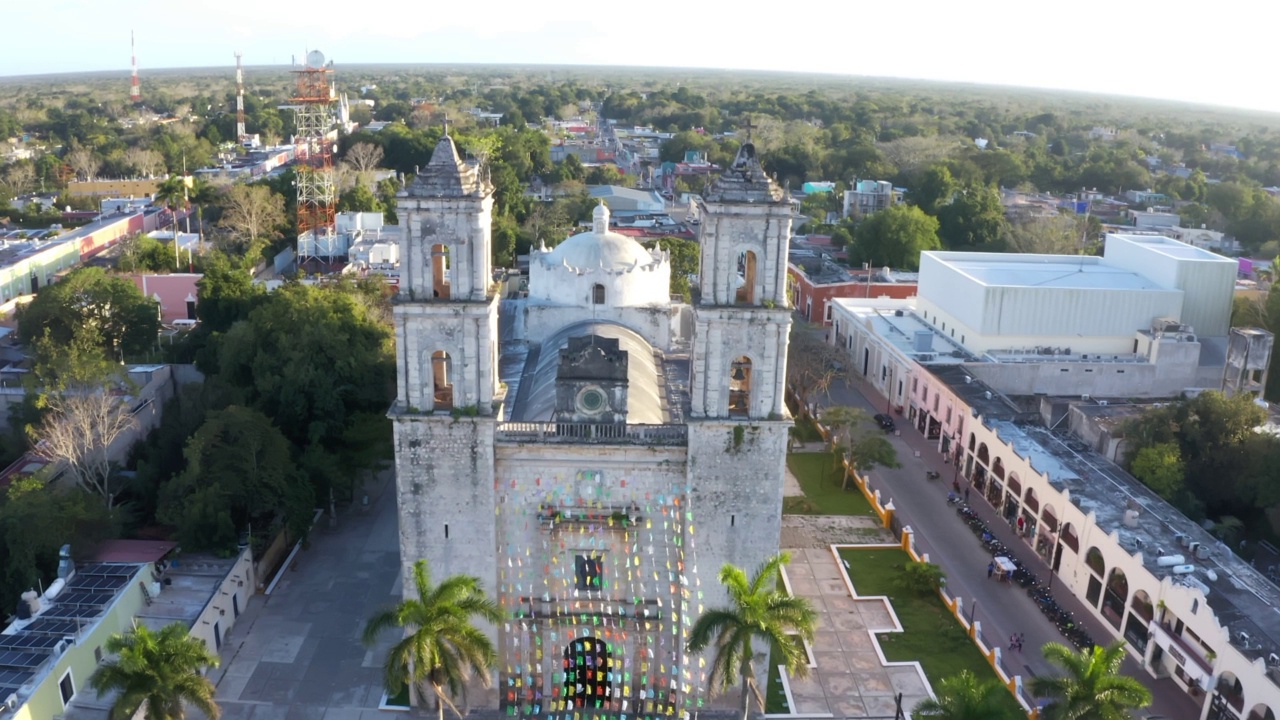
column 599, row 249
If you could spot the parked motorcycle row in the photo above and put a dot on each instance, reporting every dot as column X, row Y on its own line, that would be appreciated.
column 1043, row 597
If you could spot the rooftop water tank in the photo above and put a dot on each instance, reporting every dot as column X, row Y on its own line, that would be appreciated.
column 1170, row 560
column 54, row 588
column 1183, row 569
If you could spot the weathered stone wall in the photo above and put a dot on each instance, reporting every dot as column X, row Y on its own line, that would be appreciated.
column 737, row 479
column 445, row 494
column 628, row 507
column 468, row 332
column 722, row 335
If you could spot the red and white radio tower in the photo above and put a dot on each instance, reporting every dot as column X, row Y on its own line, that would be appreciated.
column 240, row 134
column 135, row 91
column 317, row 195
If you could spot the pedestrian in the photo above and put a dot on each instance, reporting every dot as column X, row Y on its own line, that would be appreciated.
column 956, row 484
column 966, row 495
column 991, row 569
column 1021, row 637
column 1013, row 642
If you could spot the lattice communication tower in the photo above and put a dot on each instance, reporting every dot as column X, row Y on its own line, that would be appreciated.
column 317, row 197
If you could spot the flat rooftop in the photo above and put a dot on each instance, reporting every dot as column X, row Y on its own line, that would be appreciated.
column 1175, row 248
column 896, row 322
column 190, row 582
column 1048, row 271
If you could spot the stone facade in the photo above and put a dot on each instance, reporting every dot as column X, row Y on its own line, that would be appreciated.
column 600, row 536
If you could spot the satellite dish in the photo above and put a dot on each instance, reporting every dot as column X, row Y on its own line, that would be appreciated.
column 315, row 58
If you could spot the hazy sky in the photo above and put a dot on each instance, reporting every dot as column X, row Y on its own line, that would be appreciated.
column 1216, row 53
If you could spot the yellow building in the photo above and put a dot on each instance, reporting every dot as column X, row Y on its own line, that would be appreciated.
column 114, row 188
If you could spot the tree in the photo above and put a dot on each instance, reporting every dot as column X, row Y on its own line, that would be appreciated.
column 84, row 162
column 895, row 237
column 858, row 439
column 962, row 697
column 144, row 162
column 973, row 220
column 933, row 190
column 239, row 472
column 80, row 427
column 364, row 157
column 252, row 211
column 226, row 294
column 758, row 610
column 1160, row 468
column 686, row 255
column 126, row 322
column 157, row 673
column 359, row 199
column 1092, row 686
column 1057, row 235
column 441, row 648
column 20, row 177
column 812, row 365
column 335, row 359
column 922, row 577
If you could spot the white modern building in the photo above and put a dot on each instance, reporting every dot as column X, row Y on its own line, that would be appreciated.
column 1150, row 318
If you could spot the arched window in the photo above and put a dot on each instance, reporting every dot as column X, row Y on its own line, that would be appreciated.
column 983, row 456
column 746, row 294
column 740, row 387
column 1229, row 686
column 597, row 294
column 1114, row 599
column 1261, row 712
column 587, row 674
column 440, row 272
column 442, row 380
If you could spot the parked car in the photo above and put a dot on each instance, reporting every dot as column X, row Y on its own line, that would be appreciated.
column 885, row 422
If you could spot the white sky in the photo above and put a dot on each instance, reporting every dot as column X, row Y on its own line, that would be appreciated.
column 1219, row 53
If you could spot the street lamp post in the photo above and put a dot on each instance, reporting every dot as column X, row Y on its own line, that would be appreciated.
column 1053, row 553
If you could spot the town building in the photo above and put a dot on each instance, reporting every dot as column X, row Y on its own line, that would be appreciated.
column 817, row 280
column 868, row 196
column 628, row 200
column 1150, row 318
column 49, row 652
column 1148, row 220
column 114, row 188
column 563, row 448
column 375, row 241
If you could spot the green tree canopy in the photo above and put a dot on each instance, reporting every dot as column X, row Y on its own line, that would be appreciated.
column 973, row 220
column 309, row 357
column 686, row 255
column 757, row 611
column 1160, row 468
column 439, row 647
column 238, row 471
column 1091, row 685
column 895, row 237
column 125, row 320
column 158, row 673
column 963, row 697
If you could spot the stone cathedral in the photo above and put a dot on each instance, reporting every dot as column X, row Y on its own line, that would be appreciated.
column 592, row 451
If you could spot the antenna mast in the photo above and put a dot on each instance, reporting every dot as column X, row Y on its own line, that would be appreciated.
column 135, row 91
column 315, row 139
column 240, row 133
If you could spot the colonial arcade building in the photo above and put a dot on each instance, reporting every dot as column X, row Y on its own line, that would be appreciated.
column 593, row 452
column 961, row 364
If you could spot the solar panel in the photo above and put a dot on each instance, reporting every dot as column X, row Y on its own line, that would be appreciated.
column 53, row 626
column 14, row 677
column 21, row 660
column 108, row 570
column 26, row 641
column 97, row 582
column 94, row 599
column 72, row 611
column 6, row 691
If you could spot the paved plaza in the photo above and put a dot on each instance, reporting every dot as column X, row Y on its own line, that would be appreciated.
column 296, row 654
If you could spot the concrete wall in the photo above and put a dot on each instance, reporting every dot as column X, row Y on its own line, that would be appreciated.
column 1208, row 280
column 726, row 232
column 644, row 285
column 466, row 332
column 877, row 361
column 222, row 610
column 652, row 323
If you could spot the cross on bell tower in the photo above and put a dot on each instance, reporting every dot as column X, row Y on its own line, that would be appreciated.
column 445, row 123
column 748, row 127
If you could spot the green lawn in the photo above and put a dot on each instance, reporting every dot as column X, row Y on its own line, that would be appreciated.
column 931, row 635
column 820, row 477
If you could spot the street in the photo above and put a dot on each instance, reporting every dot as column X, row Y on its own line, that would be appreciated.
column 1003, row 609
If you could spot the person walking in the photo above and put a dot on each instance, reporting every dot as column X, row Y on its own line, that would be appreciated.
column 966, row 495
column 991, row 569
column 1013, row 642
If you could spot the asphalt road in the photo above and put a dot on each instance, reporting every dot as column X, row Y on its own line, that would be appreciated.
column 1002, row 609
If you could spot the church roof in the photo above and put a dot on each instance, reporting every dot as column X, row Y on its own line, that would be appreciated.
column 744, row 181
column 536, row 397
column 447, row 175
column 598, row 248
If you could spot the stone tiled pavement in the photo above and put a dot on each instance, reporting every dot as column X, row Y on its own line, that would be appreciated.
column 848, row 679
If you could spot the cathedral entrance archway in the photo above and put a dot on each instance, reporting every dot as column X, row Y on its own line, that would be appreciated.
column 588, row 681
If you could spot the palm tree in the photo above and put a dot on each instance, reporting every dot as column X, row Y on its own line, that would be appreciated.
column 759, row 610
column 157, row 672
column 441, row 647
column 172, row 193
column 962, row 697
column 1093, row 688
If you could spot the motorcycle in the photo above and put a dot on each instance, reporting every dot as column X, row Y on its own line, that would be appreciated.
column 932, row 475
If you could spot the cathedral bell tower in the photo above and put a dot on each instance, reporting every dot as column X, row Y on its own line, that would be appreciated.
column 739, row 424
column 743, row 315
column 446, row 315
column 447, row 401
